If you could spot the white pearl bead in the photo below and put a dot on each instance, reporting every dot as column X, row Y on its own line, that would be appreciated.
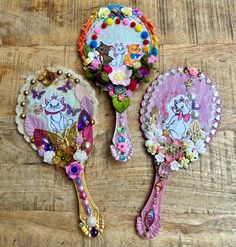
column 91, row 221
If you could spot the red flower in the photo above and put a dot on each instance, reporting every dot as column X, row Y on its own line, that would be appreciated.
column 133, row 85
column 107, row 68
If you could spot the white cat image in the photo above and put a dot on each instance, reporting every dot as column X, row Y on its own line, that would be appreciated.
column 54, row 108
column 118, row 52
column 179, row 118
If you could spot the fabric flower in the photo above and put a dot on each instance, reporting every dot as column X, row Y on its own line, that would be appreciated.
column 152, row 59
column 62, row 157
column 151, row 147
column 80, row 156
column 120, row 76
column 48, row 157
column 121, row 97
column 120, row 89
column 111, row 92
column 184, row 162
column 107, row 68
column 95, row 64
column 160, row 157
column 174, row 165
column 122, row 146
column 80, row 140
column 104, row 12
column 91, row 57
column 41, row 151
column 74, row 170
column 133, row 85
column 137, row 12
column 127, row 11
column 197, row 148
column 192, row 71
column 137, row 65
column 143, row 71
column 129, row 93
column 156, row 135
column 190, row 156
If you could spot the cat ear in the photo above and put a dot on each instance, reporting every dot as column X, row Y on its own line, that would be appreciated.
column 186, row 102
column 46, row 101
column 175, row 102
column 62, row 100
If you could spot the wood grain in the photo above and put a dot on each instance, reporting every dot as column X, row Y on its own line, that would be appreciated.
column 38, row 203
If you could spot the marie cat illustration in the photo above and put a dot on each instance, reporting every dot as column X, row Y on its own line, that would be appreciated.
column 118, row 52
column 179, row 119
column 54, row 109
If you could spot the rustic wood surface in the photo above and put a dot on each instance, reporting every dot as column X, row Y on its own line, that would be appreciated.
column 38, row 206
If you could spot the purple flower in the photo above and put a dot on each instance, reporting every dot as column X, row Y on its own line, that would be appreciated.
column 143, row 71
column 137, row 12
column 74, row 170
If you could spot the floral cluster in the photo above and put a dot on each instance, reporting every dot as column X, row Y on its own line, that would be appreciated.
column 177, row 154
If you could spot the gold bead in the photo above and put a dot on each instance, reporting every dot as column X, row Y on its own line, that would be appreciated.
column 68, row 75
column 32, row 81
column 93, row 122
column 77, row 80
column 59, row 72
column 22, row 103
column 26, row 92
column 32, row 140
column 23, row 116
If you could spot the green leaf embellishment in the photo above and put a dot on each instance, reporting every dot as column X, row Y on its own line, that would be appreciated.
column 87, row 49
column 105, row 77
column 120, row 106
column 121, row 129
column 89, row 74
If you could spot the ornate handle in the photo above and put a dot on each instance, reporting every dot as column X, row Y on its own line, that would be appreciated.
column 148, row 223
column 122, row 148
column 91, row 221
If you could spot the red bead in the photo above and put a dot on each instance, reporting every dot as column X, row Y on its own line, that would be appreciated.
column 132, row 24
column 145, row 42
column 83, row 195
column 94, row 37
column 104, row 25
column 117, row 21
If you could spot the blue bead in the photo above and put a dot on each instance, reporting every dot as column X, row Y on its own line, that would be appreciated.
column 154, row 51
column 93, row 44
column 121, row 139
column 94, row 232
column 80, row 126
column 74, row 169
column 122, row 157
column 144, row 34
column 78, row 181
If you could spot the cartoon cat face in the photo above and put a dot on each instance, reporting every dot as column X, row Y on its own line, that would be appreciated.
column 119, row 48
column 134, row 48
column 54, row 104
column 181, row 105
column 103, row 48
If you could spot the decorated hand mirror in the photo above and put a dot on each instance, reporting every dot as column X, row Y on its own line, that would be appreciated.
column 118, row 48
column 56, row 114
column 180, row 114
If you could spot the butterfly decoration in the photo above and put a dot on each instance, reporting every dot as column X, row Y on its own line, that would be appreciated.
column 72, row 110
column 37, row 94
column 65, row 88
column 61, row 130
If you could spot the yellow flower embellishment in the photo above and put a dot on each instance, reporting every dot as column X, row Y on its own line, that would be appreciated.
column 152, row 149
column 137, row 65
column 104, row 13
column 184, row 162
column 190, row 156
column 88, row 60
column 127, row 11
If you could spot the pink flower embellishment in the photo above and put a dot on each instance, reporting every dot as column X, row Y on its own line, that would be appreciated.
column 111, row 92
column 122, row 146
column 120, row 76
column 152, row 59
column 193, row 71
column 74, row 170
column 95, row 64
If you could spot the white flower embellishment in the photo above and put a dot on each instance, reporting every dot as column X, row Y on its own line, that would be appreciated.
column 127, row 11
column 174, row 165
column 197, row 148
column 48, row 156
column 104, row 12
column 159, row 157
column 80, row 156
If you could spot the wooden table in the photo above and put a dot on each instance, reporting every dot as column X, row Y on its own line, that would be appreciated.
column 38, row 204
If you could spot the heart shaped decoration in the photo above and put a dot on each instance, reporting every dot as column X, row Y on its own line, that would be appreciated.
column 120, row 106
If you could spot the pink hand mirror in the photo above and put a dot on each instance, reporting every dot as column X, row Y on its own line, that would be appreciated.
column 55, row 114
column 180, row 114
column 118, row 48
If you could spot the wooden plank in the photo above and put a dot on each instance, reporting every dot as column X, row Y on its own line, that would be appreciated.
column 199, row 204
column 43, row 22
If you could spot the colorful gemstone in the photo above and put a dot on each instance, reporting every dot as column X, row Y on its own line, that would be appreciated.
column 150, row 217
column 195, row 105
column 78, row 181
column 94, row 232
column 122, row 157
column 121, row 139
column 132, row 24
column 121, row 129
column 88, row 210
column 84, row 119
